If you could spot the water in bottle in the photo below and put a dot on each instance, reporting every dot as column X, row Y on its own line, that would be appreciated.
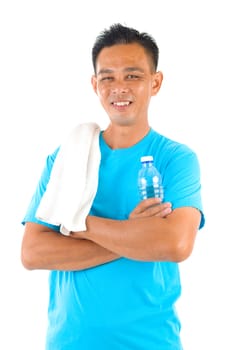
column 149, row 179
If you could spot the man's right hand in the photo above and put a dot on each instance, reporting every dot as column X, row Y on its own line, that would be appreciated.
column 151, row 207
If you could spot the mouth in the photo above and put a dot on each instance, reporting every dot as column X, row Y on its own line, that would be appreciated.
column 121, row 104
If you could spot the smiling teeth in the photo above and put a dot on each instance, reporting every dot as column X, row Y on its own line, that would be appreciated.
column 121, row 103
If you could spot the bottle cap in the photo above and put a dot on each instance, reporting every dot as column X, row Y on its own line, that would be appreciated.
column 146, row 159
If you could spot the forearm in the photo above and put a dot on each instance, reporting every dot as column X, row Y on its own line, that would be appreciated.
column 134, row 239
column 149, row 238
column 49, row 250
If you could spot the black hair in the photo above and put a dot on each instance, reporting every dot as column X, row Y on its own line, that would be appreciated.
column 120, row 34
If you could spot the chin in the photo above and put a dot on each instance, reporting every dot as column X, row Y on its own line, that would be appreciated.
column 122, row 121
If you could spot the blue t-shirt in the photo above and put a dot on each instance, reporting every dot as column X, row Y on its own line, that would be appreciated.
column 125, row 304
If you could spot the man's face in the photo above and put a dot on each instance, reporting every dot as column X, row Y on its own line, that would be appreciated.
column 125, row 82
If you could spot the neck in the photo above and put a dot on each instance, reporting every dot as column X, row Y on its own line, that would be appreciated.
column 124, row 137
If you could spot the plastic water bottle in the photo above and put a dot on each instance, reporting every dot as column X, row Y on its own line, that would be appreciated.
column 149, row 179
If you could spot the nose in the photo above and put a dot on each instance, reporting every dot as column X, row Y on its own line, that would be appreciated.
column 119, row 88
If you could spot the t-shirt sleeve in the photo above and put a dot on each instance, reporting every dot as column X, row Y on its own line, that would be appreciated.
column 182, row 186
column 30, row 215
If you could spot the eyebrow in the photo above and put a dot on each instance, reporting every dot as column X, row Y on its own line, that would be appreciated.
column 127, row 69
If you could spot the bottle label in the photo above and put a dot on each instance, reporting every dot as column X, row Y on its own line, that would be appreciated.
column 151, row 192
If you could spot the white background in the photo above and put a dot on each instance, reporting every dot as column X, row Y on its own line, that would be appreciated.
column 45, row 70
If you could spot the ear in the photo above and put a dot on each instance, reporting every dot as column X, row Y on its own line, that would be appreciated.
column 94, row 83
column 156, row 82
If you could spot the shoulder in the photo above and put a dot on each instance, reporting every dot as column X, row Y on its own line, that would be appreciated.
column 170, row 145
column 169, row 151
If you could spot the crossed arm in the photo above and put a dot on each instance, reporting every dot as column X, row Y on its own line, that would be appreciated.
column 153, row 232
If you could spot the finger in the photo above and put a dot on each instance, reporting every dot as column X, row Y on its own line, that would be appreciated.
column 165, row 212
column 145, row 204
column 157, row 210
column 161, row 210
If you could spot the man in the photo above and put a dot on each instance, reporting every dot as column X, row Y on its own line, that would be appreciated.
column 114, row 285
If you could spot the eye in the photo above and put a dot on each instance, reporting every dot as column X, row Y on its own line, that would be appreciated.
column 106, row 79
column 132, row 77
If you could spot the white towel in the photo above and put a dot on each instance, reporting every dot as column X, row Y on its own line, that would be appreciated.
column 73, row 181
